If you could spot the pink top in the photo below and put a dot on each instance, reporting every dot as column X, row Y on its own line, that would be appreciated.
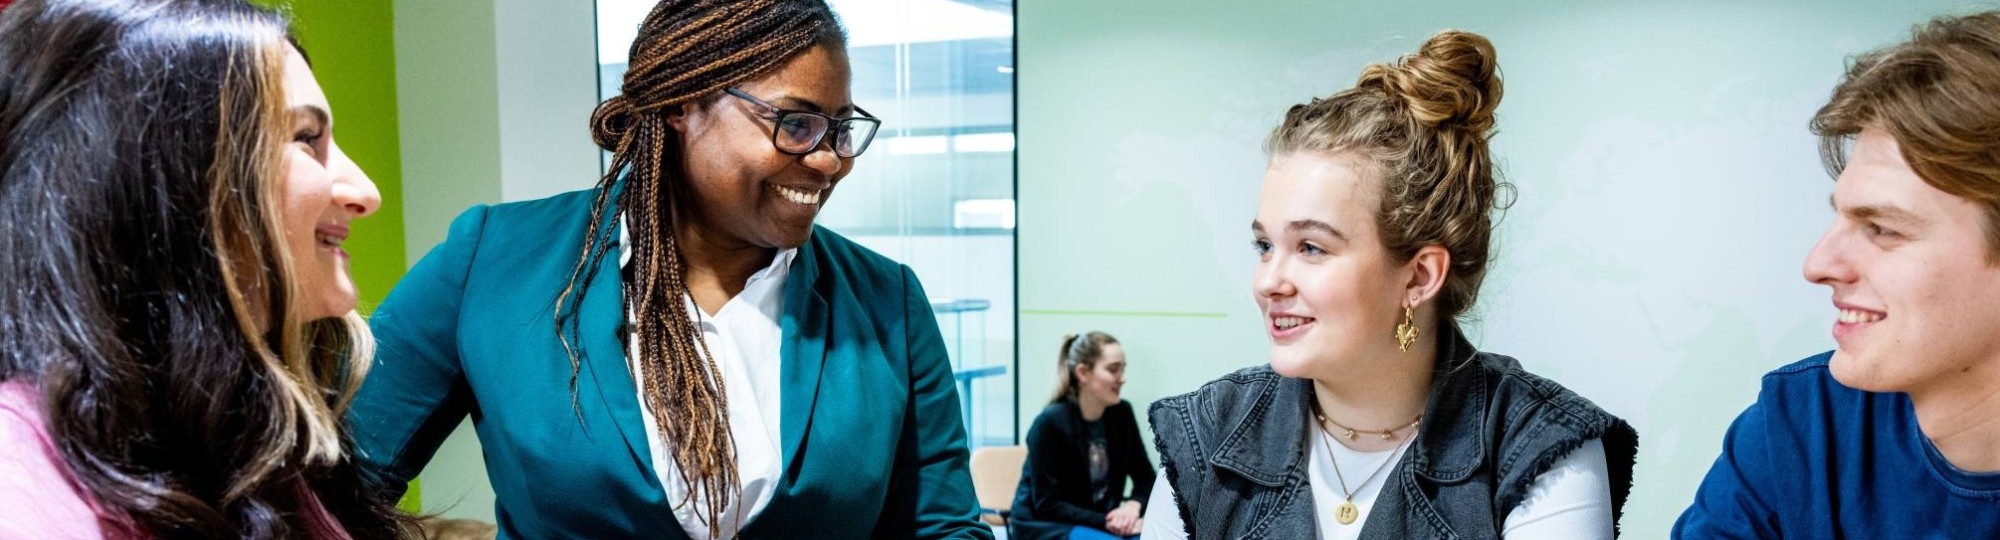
column 40, row 499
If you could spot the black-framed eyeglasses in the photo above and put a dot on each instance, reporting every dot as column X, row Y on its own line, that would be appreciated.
column 800, row 132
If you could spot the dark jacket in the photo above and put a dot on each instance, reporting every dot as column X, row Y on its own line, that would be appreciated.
column 1235, row 451
column 1055, row 490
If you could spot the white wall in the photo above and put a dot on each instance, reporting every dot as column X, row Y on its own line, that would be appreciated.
column 547, row 80
column 448, row 113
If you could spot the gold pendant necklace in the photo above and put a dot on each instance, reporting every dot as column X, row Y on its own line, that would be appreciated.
column 1346, row 512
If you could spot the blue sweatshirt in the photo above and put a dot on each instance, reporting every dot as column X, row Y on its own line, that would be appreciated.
column 1815, row 459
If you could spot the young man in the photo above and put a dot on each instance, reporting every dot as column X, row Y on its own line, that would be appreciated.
column 1896, row 433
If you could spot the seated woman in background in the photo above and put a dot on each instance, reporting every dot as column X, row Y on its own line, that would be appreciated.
column 177, row 328
column 1081, row 449
column 1376, row 418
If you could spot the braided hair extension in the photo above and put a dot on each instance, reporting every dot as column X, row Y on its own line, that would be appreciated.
column 686, row 51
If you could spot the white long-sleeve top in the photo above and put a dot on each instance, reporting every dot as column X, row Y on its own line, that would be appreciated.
column 1570, row 501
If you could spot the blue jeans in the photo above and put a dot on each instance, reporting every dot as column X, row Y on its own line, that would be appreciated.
column 1081, row 532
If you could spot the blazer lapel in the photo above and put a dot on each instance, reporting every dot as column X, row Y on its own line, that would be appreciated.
column 805, row 325
column 603, row 329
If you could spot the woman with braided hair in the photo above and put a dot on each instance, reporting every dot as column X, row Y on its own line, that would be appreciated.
column 1376, row 419
column 679, row 351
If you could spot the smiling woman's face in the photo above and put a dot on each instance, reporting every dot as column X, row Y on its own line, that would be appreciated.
column 1330, row 292
column 322, row 192
column 746, row 191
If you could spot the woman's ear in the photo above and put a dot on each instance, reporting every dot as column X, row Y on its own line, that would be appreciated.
column 677, row 117
column 1428, row 270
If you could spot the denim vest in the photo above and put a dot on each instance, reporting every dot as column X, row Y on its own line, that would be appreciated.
column 1235, row 451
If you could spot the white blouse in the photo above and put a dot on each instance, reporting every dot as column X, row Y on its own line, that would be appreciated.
column 1571, row 500
column 744, row 338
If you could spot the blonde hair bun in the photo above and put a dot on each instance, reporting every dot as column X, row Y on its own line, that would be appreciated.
column 1452, row 80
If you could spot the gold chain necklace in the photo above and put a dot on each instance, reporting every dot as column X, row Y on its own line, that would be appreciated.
column 1386, row 434
column 1347, row 511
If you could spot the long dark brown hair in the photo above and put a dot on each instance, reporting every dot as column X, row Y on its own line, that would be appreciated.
column 145, row 288
column 687, row 52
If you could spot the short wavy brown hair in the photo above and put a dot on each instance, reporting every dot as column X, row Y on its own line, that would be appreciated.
column 1938, row 95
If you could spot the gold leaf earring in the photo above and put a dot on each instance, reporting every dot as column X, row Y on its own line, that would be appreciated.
column 1406, row 333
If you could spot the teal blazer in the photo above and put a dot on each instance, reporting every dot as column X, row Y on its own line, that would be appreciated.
column 873, row 445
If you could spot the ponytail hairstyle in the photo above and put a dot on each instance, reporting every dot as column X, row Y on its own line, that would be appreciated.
column 146, row 290
column 1423, row 124
column 1083, row 350
column 687, row 52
